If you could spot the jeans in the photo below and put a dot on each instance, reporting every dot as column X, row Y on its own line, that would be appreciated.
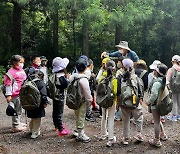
column 58, row 109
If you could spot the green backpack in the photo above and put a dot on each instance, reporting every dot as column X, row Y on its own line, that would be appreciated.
column 51, row 87
column 74, row 98
column 129, row 97
column 175, row 81
column 104, row 94
column 30, row 96
column 164, row 103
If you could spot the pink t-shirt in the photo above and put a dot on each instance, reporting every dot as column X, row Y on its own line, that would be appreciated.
column 19, row 76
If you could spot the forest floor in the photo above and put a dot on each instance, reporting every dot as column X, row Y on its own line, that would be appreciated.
column 49, row 142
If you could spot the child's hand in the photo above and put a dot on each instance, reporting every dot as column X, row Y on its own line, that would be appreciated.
column 141, row 101
column 8, row 98
column 68, row 75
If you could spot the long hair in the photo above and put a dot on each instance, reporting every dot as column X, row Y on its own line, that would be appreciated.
column 162, row 70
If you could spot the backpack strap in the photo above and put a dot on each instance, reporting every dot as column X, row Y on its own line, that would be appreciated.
column 142, row 74
column 9, row 75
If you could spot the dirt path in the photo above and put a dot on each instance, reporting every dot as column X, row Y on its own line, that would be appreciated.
column 48, row 142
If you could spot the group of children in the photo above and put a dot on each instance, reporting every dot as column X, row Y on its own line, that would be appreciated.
column 119, row 73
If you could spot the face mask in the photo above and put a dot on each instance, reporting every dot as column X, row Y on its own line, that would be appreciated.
column 38, row 63
column 121, row 51
column 21, row 65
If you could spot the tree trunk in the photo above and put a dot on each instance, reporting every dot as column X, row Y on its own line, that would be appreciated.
column 118, row 36
column 55, row 32
column 16, row 33
column 74, row 36
column 85, row 31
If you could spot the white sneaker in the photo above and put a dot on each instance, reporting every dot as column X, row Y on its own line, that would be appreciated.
column 83, row 137
column 74, row 134
column 103, row 137
column 139, row 137
column 111, row 142
column 35, row 134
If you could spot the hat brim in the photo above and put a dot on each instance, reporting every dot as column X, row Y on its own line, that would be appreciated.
column 152, row 67
column 59, row 68
column 121, row 46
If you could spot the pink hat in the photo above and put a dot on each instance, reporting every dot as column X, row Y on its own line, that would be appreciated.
column 59, row 64
column 128, row 63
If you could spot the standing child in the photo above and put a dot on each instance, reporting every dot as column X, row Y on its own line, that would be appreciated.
column 80, row 114
column 44, row 69
column 130, row 77
column 158, row 86
column 13, row 89
column 173, row 79
column 38, row 113
column 61, row 83
column 109, row 113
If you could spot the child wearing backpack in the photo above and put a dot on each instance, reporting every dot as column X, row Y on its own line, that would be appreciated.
column 109, row 113
column 39, row 112
column 157, row 87
column 131, row 98
column 59, row 69
column 13, row 89
column 80, row 114
column 173, row 80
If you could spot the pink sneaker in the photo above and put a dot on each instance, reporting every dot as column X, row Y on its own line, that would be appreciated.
column 64, row 132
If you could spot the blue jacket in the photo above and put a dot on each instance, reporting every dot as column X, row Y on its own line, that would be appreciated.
column 131, row 55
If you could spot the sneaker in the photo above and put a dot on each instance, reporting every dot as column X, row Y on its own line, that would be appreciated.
column 23, row 124
column 82, row 137
column 19, row 128
column 35, row 134
column 111, row 142
column 139, row 137
column 155, row 142
column 90, row 118
column 64, row 132
column 103, row 137
column 172, row 118
column 125, row 141
column 74, row 134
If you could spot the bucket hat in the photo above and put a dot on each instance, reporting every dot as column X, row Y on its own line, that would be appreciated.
column 123, row 44
column 59, row 64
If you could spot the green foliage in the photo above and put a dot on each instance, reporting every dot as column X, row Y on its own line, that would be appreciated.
column 151, row 27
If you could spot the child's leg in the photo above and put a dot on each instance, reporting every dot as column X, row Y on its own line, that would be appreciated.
column 80, row 116
column 175, row 104
column 36, row 123
column 157, row 124
column 126, row 122
column 31, row 125
column 138, row 116
column 111, row 113
column 58, row 109
column 104, row 121
column 178, row 105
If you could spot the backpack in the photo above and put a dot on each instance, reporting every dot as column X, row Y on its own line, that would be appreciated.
column 164, row 104
column 129, row 97
column 3, row 87
column 30, row 96
column 175, row 81
column 104, row 96
column 74, row 98
column 51, row 87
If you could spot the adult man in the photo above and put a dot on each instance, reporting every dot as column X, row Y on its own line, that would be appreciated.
column 123, row 50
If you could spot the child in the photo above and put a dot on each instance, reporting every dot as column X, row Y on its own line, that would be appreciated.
column 13, row 90
column 59, row 68
column 137, row 112
column 38, row 113
column 158, row 86
column 44, row 69
column 108, row 114
column 81, row 66
column 175, row 114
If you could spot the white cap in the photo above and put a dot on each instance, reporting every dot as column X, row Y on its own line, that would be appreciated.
column 176, row 58
column 59, row 64
column 154, row 65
